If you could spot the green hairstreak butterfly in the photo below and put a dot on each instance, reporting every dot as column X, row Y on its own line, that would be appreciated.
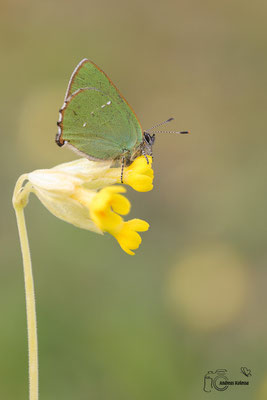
column 97, row 122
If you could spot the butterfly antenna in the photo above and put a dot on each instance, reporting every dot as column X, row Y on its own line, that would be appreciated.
column 161, row 123
column 165, row 122
column 181, row 132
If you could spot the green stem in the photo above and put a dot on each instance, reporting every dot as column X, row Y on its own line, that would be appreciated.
column 19, row 201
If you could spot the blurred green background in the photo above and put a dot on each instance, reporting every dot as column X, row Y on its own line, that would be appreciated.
column 193, row 298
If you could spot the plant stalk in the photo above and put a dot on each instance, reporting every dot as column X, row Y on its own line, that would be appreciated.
column 29, row 292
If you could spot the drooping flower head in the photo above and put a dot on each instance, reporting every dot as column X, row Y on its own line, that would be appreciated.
column 82, row 192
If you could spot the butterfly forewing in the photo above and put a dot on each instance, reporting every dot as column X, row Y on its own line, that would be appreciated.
column 96, row 125
column 95, row 118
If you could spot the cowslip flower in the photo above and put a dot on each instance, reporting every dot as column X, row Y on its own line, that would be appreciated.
column 83, row 193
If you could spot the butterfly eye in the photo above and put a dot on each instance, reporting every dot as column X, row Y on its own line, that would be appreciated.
column 149, row 139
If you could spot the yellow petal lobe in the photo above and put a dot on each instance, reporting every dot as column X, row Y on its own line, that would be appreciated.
column 139, row 175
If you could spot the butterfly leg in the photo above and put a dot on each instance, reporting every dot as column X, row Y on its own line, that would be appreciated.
column 122, row 167
column 145, row 155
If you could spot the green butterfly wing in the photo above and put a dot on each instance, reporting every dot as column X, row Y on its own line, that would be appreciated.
column 95, row 118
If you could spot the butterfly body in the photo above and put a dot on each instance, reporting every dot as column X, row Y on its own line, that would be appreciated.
column 97, row 122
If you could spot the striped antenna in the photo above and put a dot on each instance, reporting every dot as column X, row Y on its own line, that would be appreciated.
column 161, row 123
column 181, row 132
column 165, row 122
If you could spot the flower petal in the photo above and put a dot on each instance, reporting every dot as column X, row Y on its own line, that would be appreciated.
column 140, row 164
column 101, row 208
column 127, row 236
column 140, row 183
column 139, row 175
column 120, row 204
column 138, row 225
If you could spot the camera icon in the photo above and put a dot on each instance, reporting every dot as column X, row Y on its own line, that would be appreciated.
column 214, row 379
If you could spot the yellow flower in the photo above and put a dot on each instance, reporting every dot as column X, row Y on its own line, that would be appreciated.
column 80, row 192
column 127, row 235
column 139, row 175
column 105, row 210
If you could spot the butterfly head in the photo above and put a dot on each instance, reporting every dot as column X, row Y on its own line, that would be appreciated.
column 148, row 141
column 146, row 146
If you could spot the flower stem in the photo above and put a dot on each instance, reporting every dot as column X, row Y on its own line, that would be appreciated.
column 19, row 203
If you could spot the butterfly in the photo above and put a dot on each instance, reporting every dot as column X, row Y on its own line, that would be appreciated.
column 98, row 123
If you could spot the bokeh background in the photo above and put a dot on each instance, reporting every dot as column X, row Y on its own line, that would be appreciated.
column 193, row 298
